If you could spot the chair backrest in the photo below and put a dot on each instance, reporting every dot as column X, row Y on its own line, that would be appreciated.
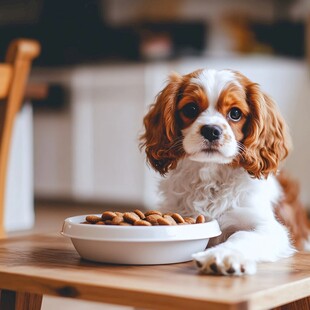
column 13, row 78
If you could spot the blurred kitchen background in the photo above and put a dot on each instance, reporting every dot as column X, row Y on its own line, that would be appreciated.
column 104, row 61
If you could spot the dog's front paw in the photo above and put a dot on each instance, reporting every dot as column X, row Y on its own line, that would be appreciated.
column 223, row 261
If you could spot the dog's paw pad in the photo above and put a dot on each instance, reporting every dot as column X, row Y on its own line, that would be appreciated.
column 231, row 270
column 214, row 268
column 223, row 262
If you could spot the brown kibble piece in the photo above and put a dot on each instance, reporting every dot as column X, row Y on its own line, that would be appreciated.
column 140, row 214
column 138, row 218
column 153, row 218
column 142, row 223
column 108, row 215
column 131, row 217
column 153, row 212
column 124, row 224
column 189, row 220
column 100, row 223
column 93, row 219
column 163, row 221
column 200, row 219
column 178, row 218
column 170, row 219
column 117, row 220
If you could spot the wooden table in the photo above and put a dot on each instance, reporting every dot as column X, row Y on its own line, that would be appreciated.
column 48, row 264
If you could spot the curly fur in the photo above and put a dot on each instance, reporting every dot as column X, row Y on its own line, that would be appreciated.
column 267, row 142
column 161, row 140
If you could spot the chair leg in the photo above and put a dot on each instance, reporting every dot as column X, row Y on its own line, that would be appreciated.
column 301, row 304
column 11, row 300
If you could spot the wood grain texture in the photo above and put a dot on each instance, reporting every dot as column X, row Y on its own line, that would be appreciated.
column 27, row 301
column 50, row 265
column 11, row 300
column 302, row 304
column 18, row 58
column 5, row 79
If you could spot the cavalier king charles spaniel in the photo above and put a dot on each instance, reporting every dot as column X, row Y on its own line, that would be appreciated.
column 219, row 141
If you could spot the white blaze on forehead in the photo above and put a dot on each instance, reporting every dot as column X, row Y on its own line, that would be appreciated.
column 214, row 82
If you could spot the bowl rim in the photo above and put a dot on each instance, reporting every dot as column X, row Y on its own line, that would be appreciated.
column 73, row 228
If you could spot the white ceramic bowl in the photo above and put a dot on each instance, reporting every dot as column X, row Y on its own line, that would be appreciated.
column 138, row 245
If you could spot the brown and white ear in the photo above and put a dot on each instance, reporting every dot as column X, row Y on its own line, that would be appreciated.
column 162, row 137
column 266, row 141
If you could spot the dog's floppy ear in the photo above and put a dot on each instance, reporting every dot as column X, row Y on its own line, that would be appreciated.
column 162, row 136
column 266, row 138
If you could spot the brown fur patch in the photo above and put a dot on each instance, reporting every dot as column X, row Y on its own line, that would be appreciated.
column 291, row 213
column 266, row 141
column 191, row 93
column 162, row 138
column 234, row 97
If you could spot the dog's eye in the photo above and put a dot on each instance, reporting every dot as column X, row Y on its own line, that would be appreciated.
column 235, row 114
column 191, row 110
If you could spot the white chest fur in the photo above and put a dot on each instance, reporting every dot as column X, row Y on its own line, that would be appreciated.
column 198, row 188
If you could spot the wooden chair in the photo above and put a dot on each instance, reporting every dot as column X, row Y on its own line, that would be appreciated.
column 13, row 77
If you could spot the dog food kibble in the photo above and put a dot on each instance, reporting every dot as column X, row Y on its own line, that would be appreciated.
column 140, row 214
column 93, row 219
column 131, row 217
column 153, row 212
column 142, row 223
column 153, row 218
column 100, row 223
column 138, row 218
column 166, row 220
column 108, row 215
column 170, row 219
column 117, row 220
column 200, row 219
column 189, row 220
column 178, row 218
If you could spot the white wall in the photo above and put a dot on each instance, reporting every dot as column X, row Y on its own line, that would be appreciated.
column 107, row 104
column 19, row 202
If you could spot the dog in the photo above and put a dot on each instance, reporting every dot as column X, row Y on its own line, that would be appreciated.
column 219, row 140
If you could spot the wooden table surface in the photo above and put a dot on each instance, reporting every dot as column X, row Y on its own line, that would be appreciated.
column 48, row 264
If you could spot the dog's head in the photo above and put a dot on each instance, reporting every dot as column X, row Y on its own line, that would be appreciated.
column 215, row 116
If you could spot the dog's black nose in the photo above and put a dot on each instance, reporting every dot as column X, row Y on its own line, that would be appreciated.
column 211, row 132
